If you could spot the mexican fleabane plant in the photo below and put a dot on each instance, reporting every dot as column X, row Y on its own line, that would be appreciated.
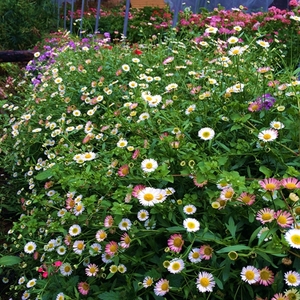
column 166, row 171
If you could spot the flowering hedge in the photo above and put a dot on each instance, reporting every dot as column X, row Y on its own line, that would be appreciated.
column 163, row 171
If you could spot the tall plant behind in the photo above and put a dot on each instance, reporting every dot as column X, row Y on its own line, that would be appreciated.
column 24, row 22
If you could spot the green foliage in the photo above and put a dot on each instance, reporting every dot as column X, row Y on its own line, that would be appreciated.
column 129, row 160
column 24, row 22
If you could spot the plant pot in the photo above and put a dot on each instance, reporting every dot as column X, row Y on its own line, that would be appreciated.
column 143, row 3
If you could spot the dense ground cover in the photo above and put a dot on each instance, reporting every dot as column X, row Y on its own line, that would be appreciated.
column 167, row 169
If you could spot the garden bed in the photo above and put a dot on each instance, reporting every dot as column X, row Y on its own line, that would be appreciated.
column 165, row 169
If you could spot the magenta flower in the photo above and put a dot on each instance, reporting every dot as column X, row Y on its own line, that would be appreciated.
column 83, row 288
column 206, row 252
column 265, row 215
column 175, row 242
column 266, row 276
column 111, row 248
column 270, row 184
column 284, row 219
column 123, row 171
column 290, row 183
column 247, row 199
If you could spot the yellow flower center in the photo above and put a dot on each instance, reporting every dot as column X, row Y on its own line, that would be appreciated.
column 67, row 269
column 191, row 225
column 270, row 186
column 282, row 219
column 165, row 286
column 292, row 278
column 148, row 197
column 80, row 246
column 177, row 242
column 207, row 251
column 267, row 136
column 204, row 281
column 266, row 216
column 264, row 275
column 246, row 199
column 149, row 165
column 295, row 239
column 196, row 255
column 228, row 194
column 113, row 248
column 290, row 185
column 176, row 266
column 249, row 275
column 206, row 134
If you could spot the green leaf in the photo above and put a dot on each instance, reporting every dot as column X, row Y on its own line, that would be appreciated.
column 110, row 296
column 234, row 248
column 265, row 171
column 265, row 257
column 254, row 235
column 9, row 260
column 231, row 227
column 235, row 127
column 44, row 175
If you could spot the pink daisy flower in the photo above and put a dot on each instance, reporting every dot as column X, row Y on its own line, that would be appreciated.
column 111, row 248
column 83, row 288
column 206, row 252
column 161, row 287
column 265, row 215
column 109, row 221
column 91, row 270
column 199, row 184
column 247, row 199
column 137, row 189
column 284, row 219
column 175, row 242
column 290, row 183
column 123, row 171
column 280, row 296
column 266, row 276
column 227, row 193
column 270, row 184
column 125, row 240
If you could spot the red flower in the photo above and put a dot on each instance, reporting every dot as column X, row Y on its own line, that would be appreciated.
column 138, row 52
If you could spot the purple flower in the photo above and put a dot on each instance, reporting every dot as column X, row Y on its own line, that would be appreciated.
column 267, row 101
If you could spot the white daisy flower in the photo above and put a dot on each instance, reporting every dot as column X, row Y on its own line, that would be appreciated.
column 125, row 224
column 143, row 215
column 292, row 236
column 74, row 230
column 277, row 125
column 189, row 209
column 292, row 278
column 148, row 196
column 176, row 266
column 268, row 135
column 206, row 133
column 149, row 165
column 31, row 283
column 66, row 269
column 30, row 247
column 191, row 224
column 122, row 143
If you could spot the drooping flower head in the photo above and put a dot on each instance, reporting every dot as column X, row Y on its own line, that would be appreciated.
column 83, row 288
